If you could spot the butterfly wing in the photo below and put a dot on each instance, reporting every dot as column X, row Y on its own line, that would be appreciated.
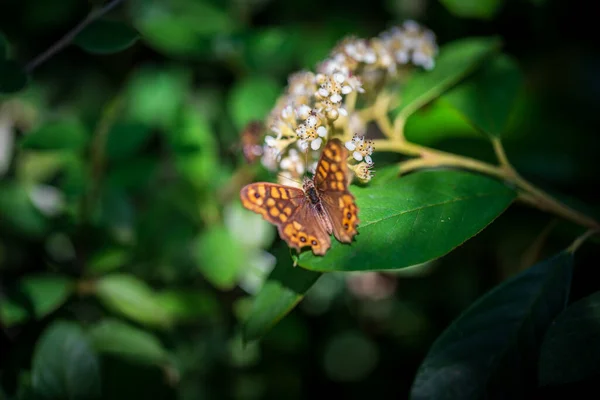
column 286, row 207
column 304, row 229
column 331, row 179
column 276, row 203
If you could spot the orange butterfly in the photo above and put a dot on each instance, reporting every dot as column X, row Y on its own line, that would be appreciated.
column 308, row 216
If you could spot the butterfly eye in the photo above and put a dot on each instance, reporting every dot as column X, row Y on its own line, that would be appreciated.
column 349, row 215
column 303, row 239
column 346, row 226
column 314, row 242
column 256, row 195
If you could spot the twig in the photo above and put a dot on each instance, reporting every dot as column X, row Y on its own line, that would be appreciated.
column 68, row 38
column 581, row 239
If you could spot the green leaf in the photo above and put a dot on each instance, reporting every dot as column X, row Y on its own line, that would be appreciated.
column 180, row 27
column 220, row 257
column 487, row 98
column 125, row 139
column 47, row 292
column 414, row 219
column 481, row 9
column 189, row 305
column 18, row 212
column 455, row 61
column 492, row 347
column 154, row 96
column 57, row 135
column 108, row 260
column 124, row 340
column 252, row 99
column 440, row 121
column 283, row 290
column 12, row 77
column 132, row 298
column 571, row 347
column 105, row 36
column 64, row 365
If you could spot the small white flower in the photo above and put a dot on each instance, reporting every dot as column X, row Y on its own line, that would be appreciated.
column 270, row 141
column 316, row 144
column 357, row 156
column 322, row 131
column 336, row 98
column 369, row 160
column 350, row 145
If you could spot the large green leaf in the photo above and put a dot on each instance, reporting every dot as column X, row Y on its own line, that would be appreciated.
column 492, row 347
column 57, row 135
column 487, row 98
column 64, row 365
column 252, row 99
column 456, row 59
column 413, row 219
column 115, row 337
column 106, row 36
column 12, row 77
column 282, row 291
column 133, row 298
column 482, row 9
column 571, row 347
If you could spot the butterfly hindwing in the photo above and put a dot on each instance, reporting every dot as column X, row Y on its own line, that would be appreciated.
column 303, row 229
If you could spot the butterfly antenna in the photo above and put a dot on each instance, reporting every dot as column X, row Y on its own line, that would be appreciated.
column 289, row 179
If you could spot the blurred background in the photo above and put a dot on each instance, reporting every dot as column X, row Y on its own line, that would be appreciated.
column 120, row 174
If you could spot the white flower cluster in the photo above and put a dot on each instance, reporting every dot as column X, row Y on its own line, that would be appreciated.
column 305, row 113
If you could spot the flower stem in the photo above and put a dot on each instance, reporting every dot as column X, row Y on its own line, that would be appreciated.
column 528, row 193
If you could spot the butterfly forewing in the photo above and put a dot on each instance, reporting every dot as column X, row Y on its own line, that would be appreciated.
column 276, row 203
column 331, row 178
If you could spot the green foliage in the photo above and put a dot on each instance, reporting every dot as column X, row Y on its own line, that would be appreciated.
column 414, row 219
column 132, row 298
column 112, row 336
column 245, row 105
column 106, row 36
column 57, row 135
column 456, row 59
column 64, row 365
column 570, row 350
column 282, row 291
column 35, row 296
column 470, row 362
column 488, row 97
column 219, row 257
column 482, row 9
column 180, row 27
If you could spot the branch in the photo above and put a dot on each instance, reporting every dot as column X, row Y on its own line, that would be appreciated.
column 68, row 38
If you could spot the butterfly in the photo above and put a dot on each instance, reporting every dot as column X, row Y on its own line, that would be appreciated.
column 250, row 141
column 308, row 216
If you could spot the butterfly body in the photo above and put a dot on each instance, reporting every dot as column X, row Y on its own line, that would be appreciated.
column 308, row 216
